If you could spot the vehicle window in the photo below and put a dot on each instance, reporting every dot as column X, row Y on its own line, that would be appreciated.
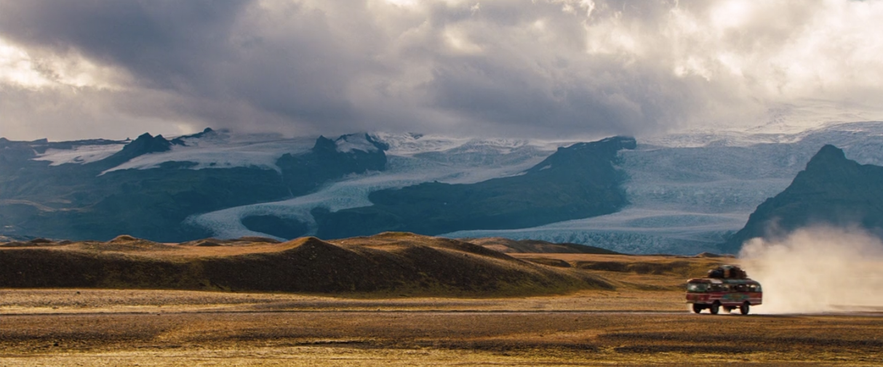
column 697, row 287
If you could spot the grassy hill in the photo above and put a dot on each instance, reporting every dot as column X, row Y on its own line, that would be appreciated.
column 389, row 263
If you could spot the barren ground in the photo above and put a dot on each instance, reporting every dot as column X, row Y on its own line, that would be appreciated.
column 186, row 328
column 639, row 319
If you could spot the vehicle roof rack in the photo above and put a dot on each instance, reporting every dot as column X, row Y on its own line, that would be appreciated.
column 727, row 272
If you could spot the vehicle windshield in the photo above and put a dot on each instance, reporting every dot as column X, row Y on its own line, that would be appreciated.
column 697, row 287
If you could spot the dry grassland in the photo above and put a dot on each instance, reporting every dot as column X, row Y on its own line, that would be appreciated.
column 389, row 264
column 266, row 329
column 638, row 318
column 628, row 326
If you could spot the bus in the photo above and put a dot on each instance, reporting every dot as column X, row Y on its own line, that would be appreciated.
column 729, row 294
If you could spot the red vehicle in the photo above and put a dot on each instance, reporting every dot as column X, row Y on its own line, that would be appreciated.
column 713, row 293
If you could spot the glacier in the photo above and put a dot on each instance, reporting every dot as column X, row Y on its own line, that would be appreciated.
column 686, row 191
column 462, row 161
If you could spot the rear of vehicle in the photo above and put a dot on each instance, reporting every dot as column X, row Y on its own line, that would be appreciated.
column 714, row 294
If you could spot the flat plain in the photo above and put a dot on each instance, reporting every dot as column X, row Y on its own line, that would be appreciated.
column 148, row 327
column 637, row 318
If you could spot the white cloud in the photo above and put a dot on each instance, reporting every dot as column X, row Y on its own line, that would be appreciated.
column 34, row 70
column 16, row 67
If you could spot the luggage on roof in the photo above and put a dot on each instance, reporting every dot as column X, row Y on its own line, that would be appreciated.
column 727, row 272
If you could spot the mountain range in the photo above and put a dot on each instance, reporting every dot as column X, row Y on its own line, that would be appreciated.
column 92, row 197
column 685, row 193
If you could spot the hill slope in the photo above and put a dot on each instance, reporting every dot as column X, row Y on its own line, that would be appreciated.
column 832, row 190
column 508, row 246
column 390, row 262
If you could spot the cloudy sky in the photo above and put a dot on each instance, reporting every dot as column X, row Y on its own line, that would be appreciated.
column 515, row 68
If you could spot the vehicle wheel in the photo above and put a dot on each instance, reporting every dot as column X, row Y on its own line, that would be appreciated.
column 744, row 308
column 697, row 308
column 715, row 307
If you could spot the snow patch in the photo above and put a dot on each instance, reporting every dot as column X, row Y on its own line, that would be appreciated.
column 222, row 153
column 724, row 138
column 360, row 142
column 410, row 144
column 79, row 154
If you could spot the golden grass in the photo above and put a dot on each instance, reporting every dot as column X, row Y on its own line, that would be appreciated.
column 72, row 301
column 643, row 321
column 192, row 328
column 633, row 272
column 168, row 250
column 389, row 264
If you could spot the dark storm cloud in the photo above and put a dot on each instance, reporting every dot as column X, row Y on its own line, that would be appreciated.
column 162, row 42
column 546, row 68
column 225, row 62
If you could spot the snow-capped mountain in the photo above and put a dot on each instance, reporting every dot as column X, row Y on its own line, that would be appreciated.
column 685, row 192
column 688, row 191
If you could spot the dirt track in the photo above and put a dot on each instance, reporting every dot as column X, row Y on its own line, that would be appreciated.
column 547, row 330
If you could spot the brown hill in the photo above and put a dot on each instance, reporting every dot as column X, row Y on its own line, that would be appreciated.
column 393, row 263
column 506, row 245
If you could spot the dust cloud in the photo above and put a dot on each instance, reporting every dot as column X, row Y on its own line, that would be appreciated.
column 817, row 269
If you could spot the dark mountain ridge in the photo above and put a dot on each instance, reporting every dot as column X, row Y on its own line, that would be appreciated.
column 832, row 191
column 578, row 181
column 144, row 144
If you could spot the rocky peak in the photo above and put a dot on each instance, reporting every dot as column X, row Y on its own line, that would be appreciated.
column 182, row 140
column 826, row 156
column 147, row 143
column 144, row 144
column 580, row 153
column 324, row 145
column 351, row 143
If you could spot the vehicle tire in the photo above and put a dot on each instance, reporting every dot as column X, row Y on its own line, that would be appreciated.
column 744, row 308
column 715, row 308
column 697, row 308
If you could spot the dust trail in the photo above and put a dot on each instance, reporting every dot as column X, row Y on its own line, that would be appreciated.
column 818, row 269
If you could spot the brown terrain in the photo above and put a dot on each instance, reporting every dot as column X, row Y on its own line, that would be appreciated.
column 506, row 245
column 395, row 299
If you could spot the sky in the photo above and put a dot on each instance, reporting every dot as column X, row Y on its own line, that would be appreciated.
column 516, row 68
